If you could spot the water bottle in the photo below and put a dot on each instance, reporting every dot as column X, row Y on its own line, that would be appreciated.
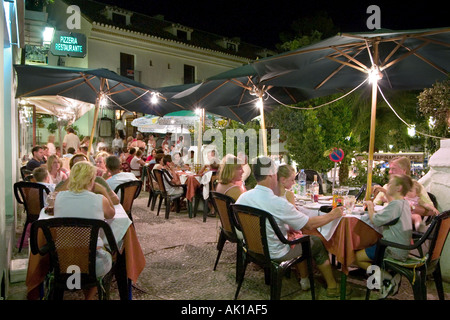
column 315, row 190
column 302, row 183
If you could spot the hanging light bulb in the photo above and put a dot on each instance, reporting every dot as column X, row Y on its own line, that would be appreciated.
column 198, row 111
column 374, row 74
column 259, row 103
column 412, row 130
column 103, row 101
column 154, row 99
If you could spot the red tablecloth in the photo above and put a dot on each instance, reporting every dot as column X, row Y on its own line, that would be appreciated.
column 351, row 235
column 38, row 265
column 192, row 185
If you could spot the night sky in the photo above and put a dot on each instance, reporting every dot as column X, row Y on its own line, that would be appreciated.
column 261, row 21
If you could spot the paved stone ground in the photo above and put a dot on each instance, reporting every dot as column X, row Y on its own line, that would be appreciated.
column 180, row 254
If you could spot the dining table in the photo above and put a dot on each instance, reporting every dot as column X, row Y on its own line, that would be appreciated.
column 195, row 182
column 130, row 260
column 345, row 236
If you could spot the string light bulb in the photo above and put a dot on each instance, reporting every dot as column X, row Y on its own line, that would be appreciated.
column 374, row 74
column 154, row 99
column 198, row 111
column 259, row 104
column 412, row 130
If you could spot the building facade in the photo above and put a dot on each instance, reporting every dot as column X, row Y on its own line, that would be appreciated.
column 88, row 34
column 11, row 37
column 147, row 49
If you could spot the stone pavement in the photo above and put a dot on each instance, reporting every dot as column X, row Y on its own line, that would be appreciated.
column 180, row 254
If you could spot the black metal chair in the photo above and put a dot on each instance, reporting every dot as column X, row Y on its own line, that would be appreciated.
column 362, row 192
column 73, row 242
column 416, row 269
column 153, row 192
column 228, row 229
column 162, row 178
column 24, row 172
column 252, row 222
column 129, row 191
column 31, row 196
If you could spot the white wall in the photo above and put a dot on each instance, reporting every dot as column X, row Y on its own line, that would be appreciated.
column 106, row 44
column 8, row 150
column 3, row 248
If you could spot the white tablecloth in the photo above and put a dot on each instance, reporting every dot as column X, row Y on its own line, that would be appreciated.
column 313, row 209
column 203, row 179
column 119, row 224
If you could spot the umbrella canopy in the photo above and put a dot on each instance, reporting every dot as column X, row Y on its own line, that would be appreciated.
column 91, row 86
column 150, row 123
column 59, row 106
column 234, row 96
column 177, row 118
column 392, row 60
column 406, row 60
column 160, row 128
column 87, row 85
column 237, row 94
column 397, row 60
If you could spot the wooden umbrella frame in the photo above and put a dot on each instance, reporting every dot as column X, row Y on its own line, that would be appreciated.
column 366, row 43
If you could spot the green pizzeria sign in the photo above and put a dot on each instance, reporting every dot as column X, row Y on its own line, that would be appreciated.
column 68, row 44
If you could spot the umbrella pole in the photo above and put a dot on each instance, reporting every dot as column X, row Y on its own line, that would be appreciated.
column 91, row 140
column 372, row 121
column 372, row 127
column 372, row 140
column 97, row 107
column 199, row 138
column 263, row 126
column 34, row 126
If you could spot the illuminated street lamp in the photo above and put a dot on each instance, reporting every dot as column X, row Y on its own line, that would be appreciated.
column 48, row 35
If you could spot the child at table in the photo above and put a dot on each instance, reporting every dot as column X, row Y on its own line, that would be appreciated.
column 286, row 179
column 395, row 220
column 413, row 197
column 42, row 176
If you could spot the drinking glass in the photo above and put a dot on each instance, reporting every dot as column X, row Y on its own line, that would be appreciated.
column 345, row 191
column 349, row 203
column 50, row 203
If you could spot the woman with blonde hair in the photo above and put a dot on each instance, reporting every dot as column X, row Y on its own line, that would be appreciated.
column 56, row 175
column 100, row 163
column 230, row 177
column 286, row 179
column 99, row 184
column 80, row 202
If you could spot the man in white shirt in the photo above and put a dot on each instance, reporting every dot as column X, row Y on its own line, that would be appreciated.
column 117, row 177
column 71, row 140
column 288, row 217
